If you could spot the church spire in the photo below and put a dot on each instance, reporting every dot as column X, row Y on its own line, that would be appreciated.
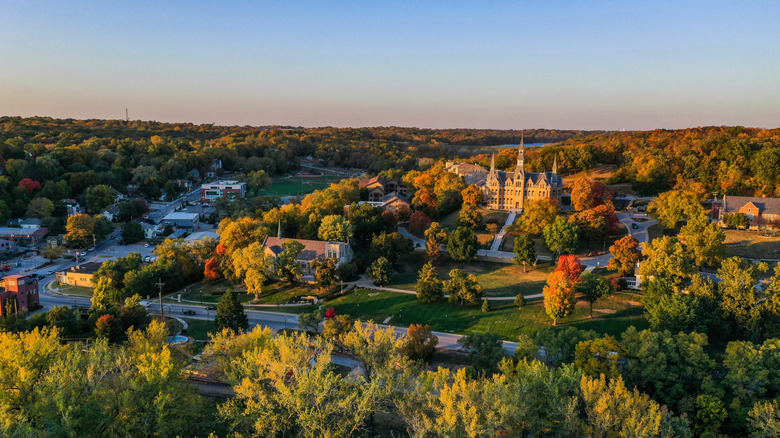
column 520, row 168
column 493, row 164
column 555, row 164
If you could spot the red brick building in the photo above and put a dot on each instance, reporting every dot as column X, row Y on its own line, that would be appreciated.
column 20, row 292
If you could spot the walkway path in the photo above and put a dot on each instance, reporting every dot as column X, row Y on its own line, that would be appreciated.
column 510, row 220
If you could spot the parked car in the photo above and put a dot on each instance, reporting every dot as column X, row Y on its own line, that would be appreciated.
column 634, row 226
column 146, row 245
column 211, row 308
column 188, row 312
column 91, row 249
column 50, row 272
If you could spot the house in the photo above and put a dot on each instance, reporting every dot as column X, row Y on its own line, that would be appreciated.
column 25, row 236
column 21, row 292
column 312, row 250
column 32, row 222
column 178, row 234
column 185, row 184
column 471, row 173
column 212, row 191
column 110, row 212
column 182, row 219
column 214, row 169
column 378, row 187
column 760, row 210
column 71, row 206
column 510, row 190
column 7, row 247
column 79, row 275
column 150, row 230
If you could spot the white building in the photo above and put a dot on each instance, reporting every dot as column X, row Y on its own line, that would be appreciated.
column 212, row 191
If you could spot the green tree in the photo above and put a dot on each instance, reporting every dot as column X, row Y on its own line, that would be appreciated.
column 52, row 252
column 64, row 318
column 463, row 288
column 335, row 228
column 391, row 246
column 525, row 253
column 230, row 313
column 109, row 327
column 519, row 301
column 666, row 258
column 561, row 236
column 710, row 413
column 462, row 244
column 470, row 217
column 325, row 271
column 485, row 305
column 737, row 220
column 311, row 320
column 485, row 351
column 287, row 266
column 5, row 212
column 335, row 328
column 675, row 206
column 600, row 356
column 593, row 287
column 40, row 207
column 99, row 197
column 429, row 286
column 704, row 239
column 380, row 271
column 132, row 232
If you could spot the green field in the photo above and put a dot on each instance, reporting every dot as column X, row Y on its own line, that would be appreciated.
column 74, row 290
column 451, row 219
column 298, row 185
column 613, row 316
column 497, row 279
column 199, row 329
column 274, row 293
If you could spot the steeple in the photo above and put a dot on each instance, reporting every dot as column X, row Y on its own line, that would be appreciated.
column 520, row 168
column 555, row 165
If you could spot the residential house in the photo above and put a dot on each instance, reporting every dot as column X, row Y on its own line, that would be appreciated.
column 760, row 210
column 393, row 202
column 72, row 206
column 31, row 222
column 151, row 230
column 214, row 169
column 181, row 219
column 110, row 212
column 79, row 275
column 21, row 292
column 312, row 250
column 213, row 191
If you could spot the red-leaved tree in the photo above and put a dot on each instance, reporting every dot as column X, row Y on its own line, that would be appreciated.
column 570, row 266
column 29, row 185
column 419, row 222
column 212, row 270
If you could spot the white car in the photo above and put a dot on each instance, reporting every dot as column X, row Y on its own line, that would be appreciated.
column 145, row 303
column 146, row 245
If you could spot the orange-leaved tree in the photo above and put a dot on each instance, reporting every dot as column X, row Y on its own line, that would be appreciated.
column 571, row 267
column 625, row 254
column 559, row 298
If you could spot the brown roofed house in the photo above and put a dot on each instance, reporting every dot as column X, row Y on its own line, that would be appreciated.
column 312, row 250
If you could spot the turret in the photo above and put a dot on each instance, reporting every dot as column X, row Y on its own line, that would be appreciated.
column 555, row 165
column 520, row 168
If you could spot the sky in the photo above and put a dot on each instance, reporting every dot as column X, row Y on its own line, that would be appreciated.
column 437, row 64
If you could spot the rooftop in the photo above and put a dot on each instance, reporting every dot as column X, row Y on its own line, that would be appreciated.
column 180, row 215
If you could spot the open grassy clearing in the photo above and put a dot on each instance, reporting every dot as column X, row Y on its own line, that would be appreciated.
column 749, row 244
column 297, row 185
column 199, row 329
column 451, row 219
column 74, row 290
column 497, row 279
column 613, row 316
column 274, row 293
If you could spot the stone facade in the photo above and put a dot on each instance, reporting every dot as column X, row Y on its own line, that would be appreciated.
column 510, row 190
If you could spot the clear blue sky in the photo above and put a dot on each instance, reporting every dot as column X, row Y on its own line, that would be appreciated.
column 491, row 64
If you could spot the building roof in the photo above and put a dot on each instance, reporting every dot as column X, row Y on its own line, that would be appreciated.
column 367, row 182
column 22, row 232
column 180, row 215
column 31, row 221
column 200, row 235
column 390, row 197
column 86, row 268
column 765, row 205
column 312, row 249
column 178, row 234
column 112, row 209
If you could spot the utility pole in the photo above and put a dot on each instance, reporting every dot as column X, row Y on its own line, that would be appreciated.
column 160, row 284
column 94, row 240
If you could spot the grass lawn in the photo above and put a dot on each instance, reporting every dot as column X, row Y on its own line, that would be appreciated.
column 613, row 316
column 297, row 185
column 451, row 219
column 497, row 279
column 75, row 290
column 274, row 293
column 749, row 244
column 199, row 329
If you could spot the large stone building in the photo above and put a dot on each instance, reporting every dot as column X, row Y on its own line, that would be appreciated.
column 20, row 293
column 510, row 190
column 312, row 250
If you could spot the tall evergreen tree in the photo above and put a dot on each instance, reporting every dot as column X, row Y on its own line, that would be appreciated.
column 230, row 313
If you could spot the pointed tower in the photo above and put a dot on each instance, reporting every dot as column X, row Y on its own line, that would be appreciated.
column 492, row 165
column 520, row 168
column 555, row 165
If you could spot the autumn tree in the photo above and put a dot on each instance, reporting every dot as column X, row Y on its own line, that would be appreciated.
column 463, row 288
column 462, row 244
column 561, row 236
column 625, row 253
column 470, row 217
column 429, row 286
column 537, row 214
column 737, row 220
column 212, row 271
column 239, row 233
column 84, row 230
column 436, row 236
column 524, row 250
column 571, row 266
column 587, row 194
column 559, row 298
column 472, row 195
column 52, row 252
column 419, row 343
column 666, row 258
column 418, row 222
